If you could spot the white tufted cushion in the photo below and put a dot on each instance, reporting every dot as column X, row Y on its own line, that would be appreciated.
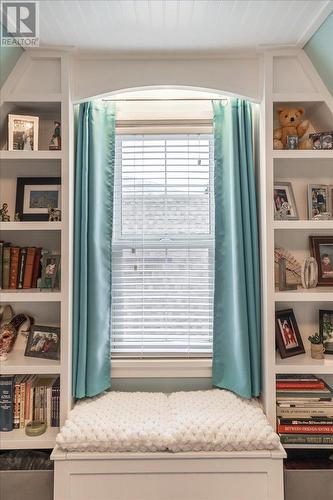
column 215, row 420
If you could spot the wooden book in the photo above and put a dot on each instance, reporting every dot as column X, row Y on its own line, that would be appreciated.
column 29, row 266
column 14, row 266
column 21, row 267
column 36, row 268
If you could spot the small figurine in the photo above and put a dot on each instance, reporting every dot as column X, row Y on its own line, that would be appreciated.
column 8, row 335
column 17, row 217
column 323, row 216
column 55, row 143
column 284, row 211
column 54, row 214
column 4, row 217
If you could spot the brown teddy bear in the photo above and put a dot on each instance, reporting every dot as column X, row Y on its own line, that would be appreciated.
column 291, row 123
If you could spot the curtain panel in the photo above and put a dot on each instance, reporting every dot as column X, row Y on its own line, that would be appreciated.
column 93, row 217
column 236, row 330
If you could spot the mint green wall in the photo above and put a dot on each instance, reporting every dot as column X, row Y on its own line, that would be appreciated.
column 8, row 59
column 320, row 50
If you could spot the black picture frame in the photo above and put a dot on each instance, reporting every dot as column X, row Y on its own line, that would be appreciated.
column 21, row 184
column 288, row 337
column 322, row 313
column 321, row 248
column 43, row 342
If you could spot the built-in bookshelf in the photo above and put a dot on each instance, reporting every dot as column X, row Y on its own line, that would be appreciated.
column 46, row 77
column 301, row 168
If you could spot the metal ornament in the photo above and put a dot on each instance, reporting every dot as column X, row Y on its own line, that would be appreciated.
column 4, row 217
column 283, row 285
column 284, row 212
column 309, row 273
column 54, row 214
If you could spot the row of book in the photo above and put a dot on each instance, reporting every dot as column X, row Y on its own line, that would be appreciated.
column 19, row 267
column 24, row 398
column 304, row 410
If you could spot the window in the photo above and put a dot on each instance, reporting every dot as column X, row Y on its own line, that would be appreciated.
column 163, row 244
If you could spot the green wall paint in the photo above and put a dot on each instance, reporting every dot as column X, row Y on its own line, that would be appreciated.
column 319, row 50
column 8, row 59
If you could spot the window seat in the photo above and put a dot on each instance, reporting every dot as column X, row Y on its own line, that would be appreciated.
column 200, row 445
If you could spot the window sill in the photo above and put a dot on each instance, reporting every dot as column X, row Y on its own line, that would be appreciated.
column 161, row 368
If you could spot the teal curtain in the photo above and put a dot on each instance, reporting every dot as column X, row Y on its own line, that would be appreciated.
column 236, row 342
column 94, row 177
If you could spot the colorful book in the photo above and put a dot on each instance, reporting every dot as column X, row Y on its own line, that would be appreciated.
column 306, row 439
column 6, row 403
column 21, row 267
column 14, row 266
column 305, row 429
column 5, row 267
column 36, row 272
column 300, row 385
column 29, row 266
column 306, row 421
column 296, row 376
column 1, row 257
column 17, row 401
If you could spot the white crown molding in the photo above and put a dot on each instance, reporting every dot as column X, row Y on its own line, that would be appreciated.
column 322, row 15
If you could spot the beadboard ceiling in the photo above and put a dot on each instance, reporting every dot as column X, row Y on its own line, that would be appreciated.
column 179, row 25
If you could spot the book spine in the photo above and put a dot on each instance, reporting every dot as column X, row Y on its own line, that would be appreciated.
column 32, row 402
column 304, row 412
column 1, row 263
column 48, row 406
column 306, row 421
column 16, row 418
column 27, row 401
column 29, row 266
column 5, row 267
column 14, row 264
column 21, row 267
column 22, row 405
column 305, row 429
column 296, row 376
column 306, row 439
column 6, row 404
column 58, row 407
column 36, row 268
column 300, row 385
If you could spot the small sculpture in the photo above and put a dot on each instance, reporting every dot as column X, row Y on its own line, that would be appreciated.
column 55, row 143
column 284, row 211
column 282, row 276
column 317, row 347
column 17, row 217
column 309, row 273
column 4, row 217
column 323, row 216
column 54, row 214
column 8, row 335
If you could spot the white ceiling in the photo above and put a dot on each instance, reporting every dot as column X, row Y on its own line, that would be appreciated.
column 182, row 25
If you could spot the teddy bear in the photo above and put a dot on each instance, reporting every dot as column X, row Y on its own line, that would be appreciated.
column 291, row 123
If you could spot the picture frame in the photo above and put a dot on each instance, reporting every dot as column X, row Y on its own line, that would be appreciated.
column 43, row 342
column 288, row 337
column 35, row 195
column 50, row 269
column 321, row 248
column 326, row 329
column 318, row 200
column 327, row 140
column 283, row 192
column 23, row 132
column 292, row 142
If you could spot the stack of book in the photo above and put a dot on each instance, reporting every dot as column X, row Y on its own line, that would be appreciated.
column 19, row 267
column 24, row 398
column 304, row 410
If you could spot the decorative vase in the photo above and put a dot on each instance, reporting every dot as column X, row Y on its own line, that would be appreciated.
column 317, row 351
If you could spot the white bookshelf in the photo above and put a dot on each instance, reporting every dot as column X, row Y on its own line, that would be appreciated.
column 300, row 168
column 47, row 307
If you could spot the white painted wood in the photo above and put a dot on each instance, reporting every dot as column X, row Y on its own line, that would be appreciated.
column 319, row 294
column 30, row 295
column 18, row 363
column 30, row 155
column 304, row 364
column 312, row 225
column 161, row 368
column 179, row 25
column 17, row 439
column 255, row 475
column 30, row 226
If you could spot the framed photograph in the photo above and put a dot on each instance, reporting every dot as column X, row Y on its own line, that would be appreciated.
column 283, row 193
column 327, row 140
column 318, row 200
column 292, row 142
column 43, row 342
column 23, row 132
column 35, row 195
column 50, row 268
column 288, row 338
column 321, row 248
column 316, row 140
column 326, row 329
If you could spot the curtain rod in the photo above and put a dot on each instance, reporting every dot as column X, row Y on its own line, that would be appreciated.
column 166, row 99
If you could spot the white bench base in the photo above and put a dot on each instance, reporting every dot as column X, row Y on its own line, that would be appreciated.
column 256, row 475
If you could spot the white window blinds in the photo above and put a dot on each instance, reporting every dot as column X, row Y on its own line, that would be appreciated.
column 162, row 285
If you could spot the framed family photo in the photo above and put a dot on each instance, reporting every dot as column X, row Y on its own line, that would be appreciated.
column 318, row 200
column 321, row 248
column 288, row 337
column 284, row 194
column 326, row 329
column 35, row 195
column 23, row 132
column 43, row 342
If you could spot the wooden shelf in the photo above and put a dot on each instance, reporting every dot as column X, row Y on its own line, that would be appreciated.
column 30, row 155
column 303, row 154
column 303, row 363
column 31, row 295
column 17, row 363
column 31, row 226
column 319, row 294
column 312, row 225
column 18, row 439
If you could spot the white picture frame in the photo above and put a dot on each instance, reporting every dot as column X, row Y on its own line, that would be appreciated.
column 22, row 133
